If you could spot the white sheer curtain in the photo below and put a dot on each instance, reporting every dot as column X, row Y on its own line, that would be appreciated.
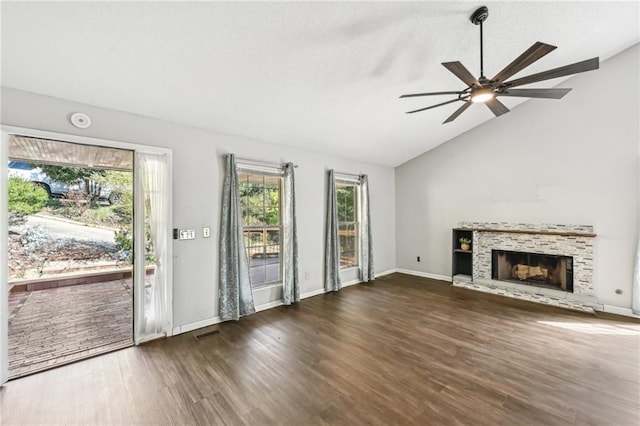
column 153, row 177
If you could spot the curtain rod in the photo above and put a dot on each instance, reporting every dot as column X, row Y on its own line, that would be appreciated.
column 259, row 163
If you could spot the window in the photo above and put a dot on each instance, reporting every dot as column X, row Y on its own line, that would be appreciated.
column 262, row 224
column 348, row 225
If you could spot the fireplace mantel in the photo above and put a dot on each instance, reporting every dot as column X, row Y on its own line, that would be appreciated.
column 535, row 232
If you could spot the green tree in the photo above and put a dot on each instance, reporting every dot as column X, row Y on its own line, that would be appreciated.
column 26, row 197
column 346, row 204
column 260, row 204
column 121, row 183
column 68, row 175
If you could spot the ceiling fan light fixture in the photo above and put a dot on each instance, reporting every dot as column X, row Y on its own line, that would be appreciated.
column 486, row 91
column 482, row 95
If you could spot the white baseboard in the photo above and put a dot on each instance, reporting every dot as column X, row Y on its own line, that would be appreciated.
column 152, row 337
column 312, row 293
column 352, row 282
column 387, row 272
column 322, row 291
column 216, row 320
column 425, row 275
column 195, row 325
column 269, row 305
column 616, row 310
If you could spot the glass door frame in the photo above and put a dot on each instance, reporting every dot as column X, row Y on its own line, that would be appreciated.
column 139, row 255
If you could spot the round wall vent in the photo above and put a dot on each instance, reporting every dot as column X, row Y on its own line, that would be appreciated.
column 80, row 120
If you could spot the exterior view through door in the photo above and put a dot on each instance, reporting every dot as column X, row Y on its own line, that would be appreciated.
column 79, row 212
column 70, row 209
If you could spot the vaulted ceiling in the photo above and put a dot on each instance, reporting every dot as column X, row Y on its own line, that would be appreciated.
column 324, row 76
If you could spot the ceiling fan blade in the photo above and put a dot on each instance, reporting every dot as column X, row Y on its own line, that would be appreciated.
column 462, row 73
column 529, row 56
column 431, row 94
column 433, row 106
column 535, row 93
column 496, row 107
column 457, row 112
column 578, row 67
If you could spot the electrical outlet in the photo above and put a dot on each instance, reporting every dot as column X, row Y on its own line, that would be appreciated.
column 206, row 232
column 307, row 275
column 418, row 258
column 186, row 234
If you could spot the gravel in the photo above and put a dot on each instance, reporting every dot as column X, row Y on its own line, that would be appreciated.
column 33, row 250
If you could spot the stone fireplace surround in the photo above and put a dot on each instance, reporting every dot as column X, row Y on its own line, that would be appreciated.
column 567, row 240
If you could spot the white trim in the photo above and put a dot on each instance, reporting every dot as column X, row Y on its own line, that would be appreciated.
column 136, row 147
column 352, row 282
column 615, row 310
column 169, row 248
column 153, row 337
column 139, row 269
column 347, row 178
column 216, row 320
column 196, row 325
column 312, row 293
column 259, row 169
column 425, row 275
column 254, row 290
column 257, row 165
column 387, row 272
column 322, row 290
column 269, row 305
column 64, row 137
column 4, row 286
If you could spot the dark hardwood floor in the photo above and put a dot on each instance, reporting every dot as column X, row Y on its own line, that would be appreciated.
column 402, row 350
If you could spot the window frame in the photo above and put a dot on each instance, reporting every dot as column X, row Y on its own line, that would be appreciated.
column 354, row 182
column 277, row 172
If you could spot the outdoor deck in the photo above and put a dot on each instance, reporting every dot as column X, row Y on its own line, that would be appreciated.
column 57, row 326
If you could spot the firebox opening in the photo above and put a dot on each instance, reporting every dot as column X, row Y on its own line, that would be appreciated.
column 540, row 270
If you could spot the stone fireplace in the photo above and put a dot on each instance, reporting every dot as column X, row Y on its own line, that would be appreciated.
column 550, row 264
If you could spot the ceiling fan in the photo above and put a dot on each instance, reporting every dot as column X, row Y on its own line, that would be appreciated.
column 483, row 90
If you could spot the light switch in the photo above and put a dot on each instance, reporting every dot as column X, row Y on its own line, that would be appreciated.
column 206, row 232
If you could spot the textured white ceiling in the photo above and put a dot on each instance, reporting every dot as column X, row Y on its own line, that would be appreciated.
column 316, row 75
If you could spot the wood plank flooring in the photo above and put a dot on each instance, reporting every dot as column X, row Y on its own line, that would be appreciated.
column 402, row 350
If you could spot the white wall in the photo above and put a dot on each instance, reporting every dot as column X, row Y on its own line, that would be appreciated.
column 572, row 161
column 198, row 173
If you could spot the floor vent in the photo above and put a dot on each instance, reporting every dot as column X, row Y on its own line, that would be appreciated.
column 205, row 332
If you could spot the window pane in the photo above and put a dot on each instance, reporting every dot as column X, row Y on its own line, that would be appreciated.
column 348, row 237
column 272, row 206
column 260, row 198
column 346, row 195
column 346, row 199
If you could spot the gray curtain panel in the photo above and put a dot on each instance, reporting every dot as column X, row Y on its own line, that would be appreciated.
column 291, row 283
column 366, row 246
column 236, row 299
column 331, row 247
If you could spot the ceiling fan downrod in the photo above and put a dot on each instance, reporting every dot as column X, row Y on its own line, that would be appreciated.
column 478, row 17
